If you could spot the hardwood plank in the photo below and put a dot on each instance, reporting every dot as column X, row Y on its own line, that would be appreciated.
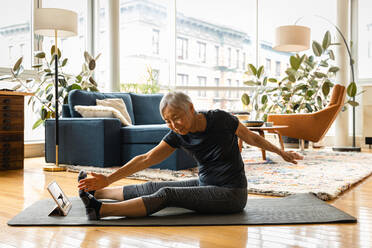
column 21, row 188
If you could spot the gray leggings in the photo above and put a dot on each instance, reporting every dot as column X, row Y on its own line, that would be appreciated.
column 187, row 194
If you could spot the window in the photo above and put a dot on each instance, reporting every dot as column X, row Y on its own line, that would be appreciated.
column 155, row 41
column 202, row 81
column 229, row 84
column 277, row 68
column 237, row 58
column 182, row 48
column 217, row 84
column 268, row 66
column 15, row 30
column 237, row 93
column 217, row 55
column 229, row 57
column 244, row 61
column 202, row 52
column 364, row 38
column 182, row 79
column 73, row 47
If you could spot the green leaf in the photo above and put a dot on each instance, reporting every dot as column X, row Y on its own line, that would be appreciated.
column 49, row 97
column 323, row 63
column 43, row 113
column 37, row 66
column 260, row 71
column 272, row 80
column 52, row 49
column 39, row 55
column 331, row 55
column 317, row 49
column 264, row 99
column 264, row 82
column 351, row 89
column 87, row 57
column 295, row 63
column 252, row 70
column 250, row 83
column 17, row 64
column 325, row 89
column 308, row 107
column 353, row 103
column 92, row 65
column 326, row 40
column 334, row 69
column 64, row 62
column 37, row 123
column 320, row 74
column 245, row 99
column 319, row 101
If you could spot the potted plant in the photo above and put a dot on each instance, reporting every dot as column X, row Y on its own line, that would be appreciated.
column 42, row 85
column 305, row 87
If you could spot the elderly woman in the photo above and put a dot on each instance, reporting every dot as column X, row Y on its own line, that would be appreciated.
column 211, row 138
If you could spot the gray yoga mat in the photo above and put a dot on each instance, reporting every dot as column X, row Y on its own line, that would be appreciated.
column 294, row 209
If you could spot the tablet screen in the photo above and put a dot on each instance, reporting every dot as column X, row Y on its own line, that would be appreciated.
column 59, row 197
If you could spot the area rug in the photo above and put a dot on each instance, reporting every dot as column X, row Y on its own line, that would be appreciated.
column 294, row 209
column 325, row 173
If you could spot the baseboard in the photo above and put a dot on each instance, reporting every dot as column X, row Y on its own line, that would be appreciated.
column 35, row 149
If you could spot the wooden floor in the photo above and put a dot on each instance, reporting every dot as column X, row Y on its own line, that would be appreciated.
column 21, row 188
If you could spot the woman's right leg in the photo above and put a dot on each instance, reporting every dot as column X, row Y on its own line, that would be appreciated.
column 121, row 193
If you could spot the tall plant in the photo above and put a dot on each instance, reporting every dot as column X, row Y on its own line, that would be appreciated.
column 151, row 86
column 42, row 85
column 305, row 88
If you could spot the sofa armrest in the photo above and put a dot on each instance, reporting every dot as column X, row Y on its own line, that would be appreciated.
column 84, row 141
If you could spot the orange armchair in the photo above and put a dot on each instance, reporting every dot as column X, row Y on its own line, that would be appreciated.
column 311, row 126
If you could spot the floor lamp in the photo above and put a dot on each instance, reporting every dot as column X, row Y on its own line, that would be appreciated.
column 295, row 38
column 55, row 23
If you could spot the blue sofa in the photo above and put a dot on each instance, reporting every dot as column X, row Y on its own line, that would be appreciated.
column 104, row 142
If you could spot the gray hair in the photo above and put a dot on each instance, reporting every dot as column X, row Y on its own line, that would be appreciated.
column 175, row 99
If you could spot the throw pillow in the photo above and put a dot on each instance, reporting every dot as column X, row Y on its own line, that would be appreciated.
column 116, row 103
column 100, row 111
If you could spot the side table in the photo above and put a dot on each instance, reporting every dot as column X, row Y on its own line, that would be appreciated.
column 260, row 130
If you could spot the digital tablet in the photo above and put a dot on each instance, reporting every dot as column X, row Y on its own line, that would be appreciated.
column 63, row 203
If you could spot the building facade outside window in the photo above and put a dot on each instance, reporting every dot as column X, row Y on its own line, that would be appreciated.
column 268, row 66
column 217, row 55
column 217, row 84
column 229, row 57
column 155, row 41
column 202, row 52
column 182, row 48
column 237, row 58
column 277, row 68
column 202, row 82
column 244, row 62
column 182, row 79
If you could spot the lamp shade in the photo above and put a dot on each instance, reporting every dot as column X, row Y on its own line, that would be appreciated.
column 292, row 38
column 48, row 20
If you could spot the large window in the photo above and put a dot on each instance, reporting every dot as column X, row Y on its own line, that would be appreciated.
column 202, row 52
column 15, row 32
column 182, row 48
column 365, row 39
column 72, row 47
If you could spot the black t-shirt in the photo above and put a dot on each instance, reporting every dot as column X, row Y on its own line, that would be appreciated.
column 215, row 150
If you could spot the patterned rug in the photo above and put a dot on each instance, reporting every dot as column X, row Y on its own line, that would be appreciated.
column 322, row 172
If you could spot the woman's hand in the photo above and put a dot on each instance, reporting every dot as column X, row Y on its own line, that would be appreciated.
column 97, row 181
column 291, row 156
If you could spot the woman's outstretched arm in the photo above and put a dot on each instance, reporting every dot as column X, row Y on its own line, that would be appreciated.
column 138, row 163
column 254, row 139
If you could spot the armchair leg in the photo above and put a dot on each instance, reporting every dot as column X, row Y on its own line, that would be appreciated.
column 302, row 145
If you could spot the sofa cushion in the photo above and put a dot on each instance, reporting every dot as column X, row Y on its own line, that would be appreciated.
column 81, row 97
column 146, row 108
column 143, row 134
column 101, row 112
column 119, row 105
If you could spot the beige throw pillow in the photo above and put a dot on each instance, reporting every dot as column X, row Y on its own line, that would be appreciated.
column 100, row 111
column 116, row 103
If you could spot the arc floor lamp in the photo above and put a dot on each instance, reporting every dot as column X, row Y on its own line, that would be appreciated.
column 295, row 38
column 55, row 23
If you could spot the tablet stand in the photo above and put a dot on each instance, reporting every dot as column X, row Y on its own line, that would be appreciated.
column 56, row 211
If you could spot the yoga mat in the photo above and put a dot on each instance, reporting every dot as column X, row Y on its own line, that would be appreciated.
column 294, row 209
